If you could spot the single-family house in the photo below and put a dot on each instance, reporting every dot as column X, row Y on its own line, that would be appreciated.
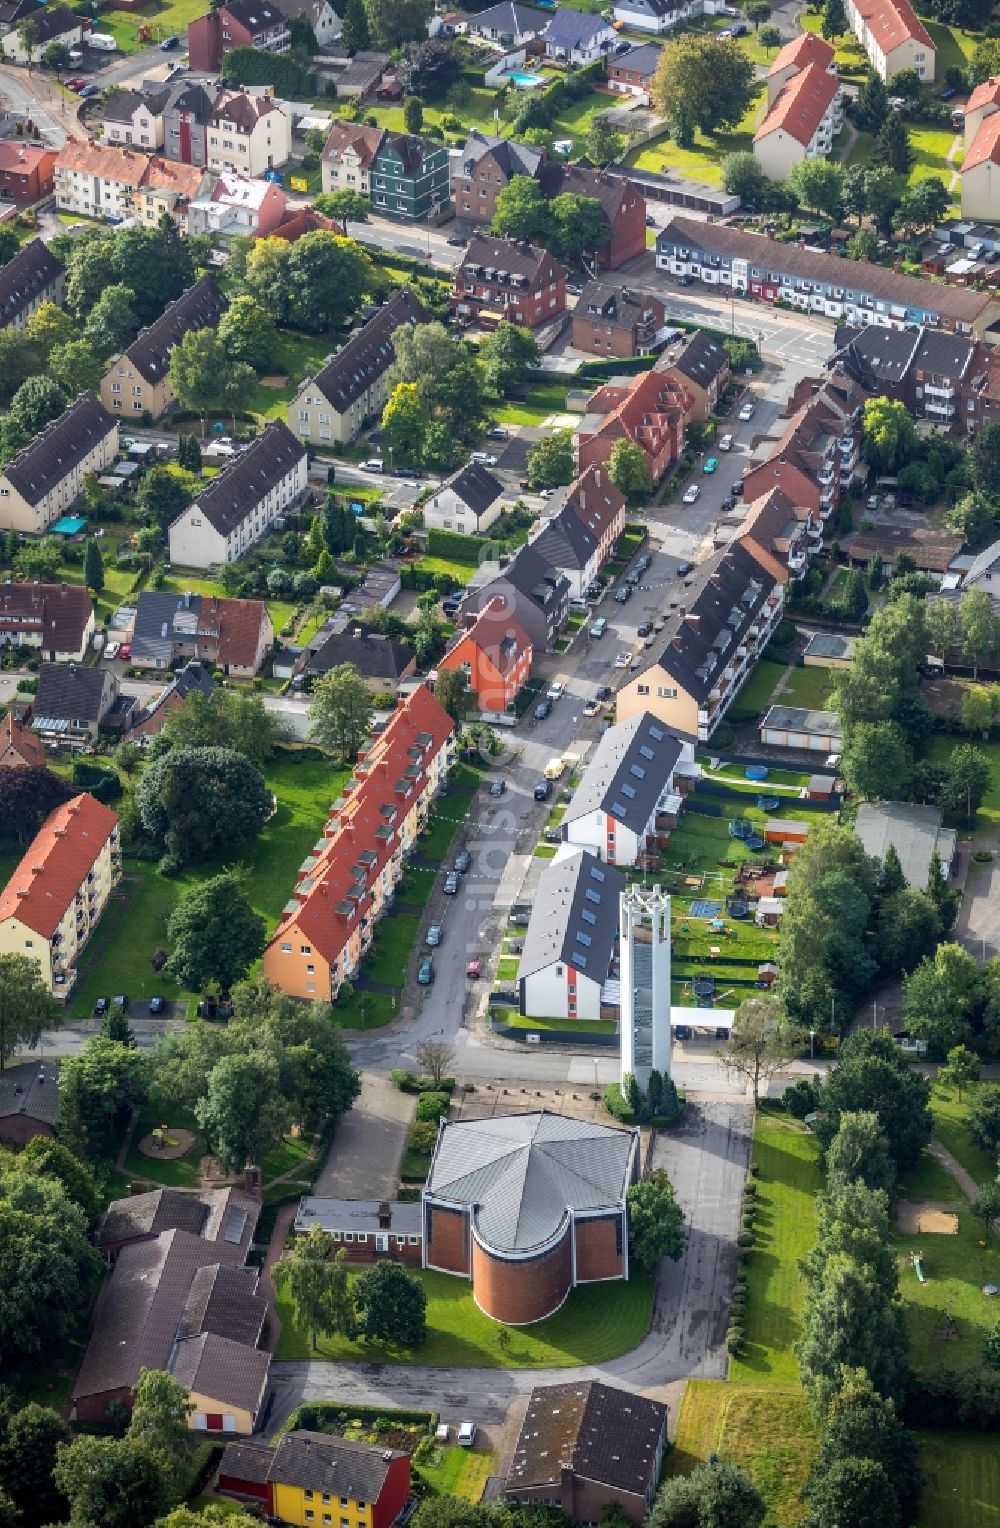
column 51, row 24
column 19, row 747
column 44, row 479
column 655, row 15
column 494, row 652
column 508, row 24
column 468, row 501
column 135, row 117
column 319, row 14
column 26, row 172
column 57, row 620
column 229, row 634
column 72, row 702
column 195, row 675
column 631, row 73
column 383, row 662
column 138, row 381
column 574, row 37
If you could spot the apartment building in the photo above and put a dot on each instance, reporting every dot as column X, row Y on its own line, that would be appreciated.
column 534, row 591
column 499, row 279
column 780, row 534
column 946, row 378
column 571, row 939
column 307, row 1477
column 236, row 508
column 701, row 366
column 138, row 381
column 611, row 320
column 349, row 879
column 51, row 24
column 621, row 200
column 409, row 177
column 232, row 635
column 41, row 482
column 651, row 410
column 247, row 134
column 353, row 387
column 168, row 187
column 894, row 38
column 28, row 279
column 56, row 620
column 628, row 795
column 26, row 172
column 708, row 646
column 982, row 103
column 486, row 167
column 580, row 533
column 734, row 261
column 494, row 652
column 471, row 500
column 806, row 116
column 804, row 50
column 348, row 157
column 236, row 24
column 96, row 179
column 814, row 458
column 54, row 900
column 981, row 171
column 186, row 116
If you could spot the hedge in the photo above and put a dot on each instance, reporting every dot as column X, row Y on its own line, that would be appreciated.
column 452, row 546
column 312, row 1414
column 614, row 1102
column 253, row 66
column 409, row 1082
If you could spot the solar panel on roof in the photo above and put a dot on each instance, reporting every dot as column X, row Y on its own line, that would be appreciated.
column 236, row 1224
column 617, row 810
column 647, row 753
column 587, row 915
column 629, row 791
column 582, row 938
column 593, row 896
column 579, row 960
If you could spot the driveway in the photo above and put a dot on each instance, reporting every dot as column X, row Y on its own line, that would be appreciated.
column 978, row 926
column 363, row 1161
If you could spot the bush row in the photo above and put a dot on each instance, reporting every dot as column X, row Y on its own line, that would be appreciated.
column 409, row 1082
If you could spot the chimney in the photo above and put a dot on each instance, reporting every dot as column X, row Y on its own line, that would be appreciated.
column 251, row 1179
column 384, row 1215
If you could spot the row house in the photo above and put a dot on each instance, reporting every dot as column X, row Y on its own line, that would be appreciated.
column 101, row 180
column 534, row 592
column 483, row 168
column 581, row 533
column 138, row 381
column 700, row 365
column 55, row 620
column 622, row 203
column 238, row 506
column 248, row 134
column 349, row 880
column 54, row 899
column 814, row 459
column 499, row 280
column 709, row 646
column 744, row 263
column 651, row 410
column 26, row 172
column 134, row 118
column 353, row 387
column 619, row 321
column 946, row 378
column 42, row 482
column 28, row 279
column 232, row 635
column 236, row 24
column 631, row 73
column 630, row 792
column 494, row 652
column 894, row 38
column 806, row 116
column 237, row 206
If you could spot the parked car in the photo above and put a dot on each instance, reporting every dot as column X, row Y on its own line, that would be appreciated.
column 484, row 458
column 746, row 412
column 451, row 884
column 603, row 692
column 622, row 660
column 645, row 561
column 599, row 627
column 684, row 568
column 373, row 464
column 710, row 464
column 737, row 489
column 725, row 442
column 85, row 95
column 425, row 971
column 169, row 42
column 682, row 1032
column 409, row 472
column 76, row 82
column 691, row 494
column 474, row 969
column 555, row 689
column 434, row 936
column 644, row 629
column 463, row 862
column 543, row 790
column 125, row 651
column 457, row 241
column 497, row 787
column 728, row 502
column 112, row 650
column 157, row 1004
column 591, row 708
column 624, row 594
column 498, row 432
column 467, row 1434
column 542, row 710
column 102, row 1005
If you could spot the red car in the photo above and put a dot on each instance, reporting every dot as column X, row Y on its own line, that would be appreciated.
column 77, row 82
column 474, row 968
column 125, row 651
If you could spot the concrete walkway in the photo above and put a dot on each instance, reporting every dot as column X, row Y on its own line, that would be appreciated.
column 954, row 1168
column 275, row 1247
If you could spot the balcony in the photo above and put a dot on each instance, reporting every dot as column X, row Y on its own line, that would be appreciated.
column 939, row 410
column 797, row 562
column 932, row 390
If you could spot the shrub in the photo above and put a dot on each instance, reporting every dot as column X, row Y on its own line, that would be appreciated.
column 430, row 1106
column 749, row 1190
column 734, row 1340
column 800, row 1098
column 617, row 1106
column 745, row 1239
column 409, row 1082
column 346, row 992
column 452, row 546
column 967, row 1398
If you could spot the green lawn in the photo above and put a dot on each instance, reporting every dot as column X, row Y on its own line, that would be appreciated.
column 445, row 817
column 182, row 1173
column 752, row 700
column 172, row 17
column 962, row 1480
column 416, row 886
column 130, row 933
column 809, row 687
column 387, row 959
column 703, row 160
column 928, row 1180
column 298, row 356
column 290, row 1153
column 950, row 1114
column 597, row 1322
column 365, row 1010
column 461, row 572
column 458, row 1471
column 939, row 750
column 956, row 1268
column 586, row 1026
column 788, row 1180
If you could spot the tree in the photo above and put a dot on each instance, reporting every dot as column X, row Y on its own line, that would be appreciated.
column 769, row 39
column 984, row 460
column 702, row 83
column 888, row 433
column 508, row 354
column 871, row 107
column 27, row 35
column 238, row 388
column 431, row 67
column 242, row 1112
column 849, row 1320
column 942, row 627
column 877, row 763
column 112, row 322
column 36, row 403
column 26, row 1005
column 76, row 367
column 656, row 1221
column 355, row 35
column 29, row 1440
column 214, row 934
column 193, row 801
column 93, row 566
column 314, row 1277
column 861, row 1424
column 855, row 1491
column 340, row 711
column 977, row 709
column 962, row 1068
column 264, row 275
column 327, row 279
column 819, row 185
column 197, row 369
column 217, row 1515
column 434, row 1058
column 446, row 374
column 978, row 627
column 391, row 1305
column 161, row 1407
column 716, row 1494
column 50, row 326
column 973, row 516
column 968, row 778
column 909, row 927
column 742, row 176
column 98, row 1089
column 924, row 204
column 628, row 469
column 892, row 146
column 51, row 1159
column 164, row 493
column 235, row 719
column 860, row 1151
column 413, row 114
column 834, row 20
column 603, row 142
column 346, row 206
column 760, row 1042
column 404, row 420
column 985, row 61
column 27, row 796
column 111, row 1481
column 521, row 211
column 9, row 243
column 873, row 1076
column 248, row 334
column 984, row 1119
column 551, row 461
column 451, row 690
column 46, row 1263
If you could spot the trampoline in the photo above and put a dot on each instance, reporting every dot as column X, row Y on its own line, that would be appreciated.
column 756, row 771
column 741, row 828
column 768, row 803
column 705, row 909
column 703, row 986
column 755, row 841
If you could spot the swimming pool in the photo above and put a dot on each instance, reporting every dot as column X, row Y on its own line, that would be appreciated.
column 524, row 80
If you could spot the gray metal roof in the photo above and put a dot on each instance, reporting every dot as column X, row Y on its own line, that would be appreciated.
column 629, row 770
column 914, row 831
column 405, row 1218
column 574, row 917
column 520, row 1173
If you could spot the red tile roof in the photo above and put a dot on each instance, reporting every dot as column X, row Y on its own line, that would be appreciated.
column 595, row 501
column 892, row 22
column 56, row 863
column 294, row 224
column 986, row 94
column 22, row 158
column 642, row 410
column 24, row 743
column 800, row 105
column 496, row 633
column 985, row 145
column 237, row 625
column 390, row 776
column 805, row 49
column 57, row 613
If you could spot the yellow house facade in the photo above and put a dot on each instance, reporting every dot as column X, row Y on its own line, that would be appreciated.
column 45, row 479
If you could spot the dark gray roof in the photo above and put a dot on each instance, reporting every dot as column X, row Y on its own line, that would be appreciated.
column 700, row 358
column 504, row 256
column 574, row 917
column 520, row 1174
column 984, row 563
column 914, row 830
column 256, row 15
column 573, row 29
column 224, row 1301
column 642, row 59
column 628, row 772
column 31, row 1090
column 533, row 575
column 615, row 301
column 246, row 1461
column 946, row 355
column 52, row 22
column 512, row 157
column 13, row 11
column 405, row 1217
column 318, row 1462
column 507, row 17
column 231, row 497
column 876, row 355
column 566, row 541
column 155, row 617
column 57, row 449
column 194, row 99
column 364, row 69
column 476, row 486
column 162, row 1209
column 601, row 1433
column 727, row 592
column 200, row 307
column 374, row 655
column 122, row 104
column 232, row 1373
column 369, row 353
column 28, row 274
column 69, row 692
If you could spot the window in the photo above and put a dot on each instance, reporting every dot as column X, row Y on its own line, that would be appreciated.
column 305, row 949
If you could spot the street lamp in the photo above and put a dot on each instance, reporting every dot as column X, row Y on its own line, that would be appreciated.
column 812, row 1044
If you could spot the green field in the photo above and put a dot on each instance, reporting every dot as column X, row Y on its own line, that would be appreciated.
column 458, row 1471
column 950, row 1114
column 703, row 160
column 956, row 1268
column 939, row 750
column 298, row 356
column 752, row 700
column 387, row 959
column 928, row 1180
column 596, row 1323
column 962, row 1480
column 809, row 687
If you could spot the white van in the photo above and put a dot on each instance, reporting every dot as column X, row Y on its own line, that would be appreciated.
column 102, row 41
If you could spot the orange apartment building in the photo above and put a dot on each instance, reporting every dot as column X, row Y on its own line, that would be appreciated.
column 495, row 652
column 350, row 878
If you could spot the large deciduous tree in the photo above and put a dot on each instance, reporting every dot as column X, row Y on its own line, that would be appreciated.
column 214, row 934
column 716, row 1494
column 98, row 1089
column 551, row 461
column 197, row 369
column 521, row 211
column 111, row 1481
column 314, row 1276
column 235, row 719
column 247, row 332
column 855, row 1491
column 702, row 83
column 941, row 996
column 27, row 796
column 242, row 1112
column 430, row 68
column 877, row 763
column 849, row 1320
column 761, row 1042
column 46, row 1263
column 193, row 801
column 26, row 1004
column 328, row 278
column 391, row 1305
column 888, row 433
column 629, row 470
column 508, row 354
column 861, row 1424
column 340, row 711
column 656, row 1221
column 29, row 1439
column 873, row 1076
column 860, row 1151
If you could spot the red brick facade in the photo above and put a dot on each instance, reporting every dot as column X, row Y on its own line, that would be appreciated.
column 651, row 410
column 448, row 1241
column 597, row 1249
column 18, row 1130
column 499, row 279
column 523, row 1291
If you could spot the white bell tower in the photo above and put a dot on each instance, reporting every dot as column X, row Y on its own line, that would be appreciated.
column 645, row 981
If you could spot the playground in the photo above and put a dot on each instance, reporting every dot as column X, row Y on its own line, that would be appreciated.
column 915, row 1218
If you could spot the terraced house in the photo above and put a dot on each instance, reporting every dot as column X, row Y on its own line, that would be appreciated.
column 247, row 134
column 733, row 260
column 409, row 177
column 45, row 479
column 813, row 461
column 54, row 899
column 350, row 878
column 29, row 278
column 137, row 382
column 235, row 509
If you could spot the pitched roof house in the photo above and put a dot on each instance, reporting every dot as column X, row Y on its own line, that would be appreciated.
column 484, row 168
column 46, row 477
column 233, row 635
column 19, row 748
column 534, row 592
column 775, row 531
column 571, row 938
column 137, row 381
column 894, row 38
column 193, row 676
column 29, row 1101
column 621, row 199
column 495, row 652
column 651, row 15
column 631, row 73
column 371, row 1483
column 701, row 365
column 55, row 619
column 247, row 133
column 382, row 661
column 617, row 320
column 220, row 1215
column 53, row 23
column 499, row 279
column 236, row 24
column 72, row 701
column 168, row 187
column 26, row 171
column 507, row 23
column 801, row 123
column 599, row 506
column 577, row 37
column 28, row 279
column 651, row 410
column 468, row 501
column 237, row 205
column 627, row 785
column 804, row 49
column 348, row 156
column 136, row 117
column 237, row 507
column 409, row 177
column 981, row 170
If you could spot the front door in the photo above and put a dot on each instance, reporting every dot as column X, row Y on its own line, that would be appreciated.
column 381, row 1242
